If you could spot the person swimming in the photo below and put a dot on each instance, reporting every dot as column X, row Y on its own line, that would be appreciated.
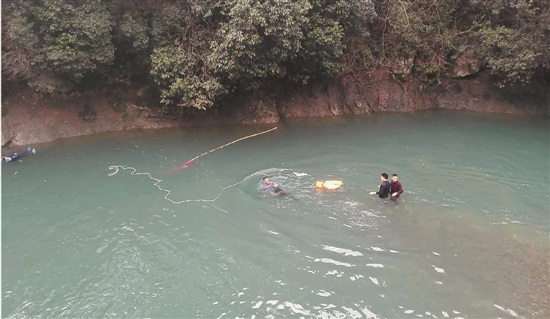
column 16, row 156
column 271, row 187
column 10, row 158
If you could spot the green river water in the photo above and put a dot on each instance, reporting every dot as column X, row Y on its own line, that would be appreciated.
column 101, row 227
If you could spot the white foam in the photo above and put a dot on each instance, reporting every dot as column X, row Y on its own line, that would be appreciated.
column 335, row 272
column 352, row 313
column 300, row 174
column 296, row 308
column 257, row 305
column 332, row 261
column 446, row 315
column 377, row 249
column 374, row 280
column 343, row 251
column 323, row 293
column 370, row 314
column 439, row 270
column 508, row 311
column 102, row 248
column 437, row 254
column 375, row 265
column 408, row 312
column 394, row 251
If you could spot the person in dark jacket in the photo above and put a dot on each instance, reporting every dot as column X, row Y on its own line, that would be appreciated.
column 10, row 158
column 395, row 187
column 384, row 189
column 16, row 156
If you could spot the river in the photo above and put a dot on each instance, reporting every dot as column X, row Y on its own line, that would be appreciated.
column 103, row 226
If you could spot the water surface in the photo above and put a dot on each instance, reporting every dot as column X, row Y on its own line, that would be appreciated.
column 100, row 226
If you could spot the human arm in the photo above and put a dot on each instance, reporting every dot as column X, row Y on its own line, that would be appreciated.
column 396, row 189
column 379, row 190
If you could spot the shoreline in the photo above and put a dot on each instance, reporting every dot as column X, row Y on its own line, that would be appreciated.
column 31, row 118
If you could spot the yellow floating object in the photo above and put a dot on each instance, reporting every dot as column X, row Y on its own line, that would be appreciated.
column 329, row 184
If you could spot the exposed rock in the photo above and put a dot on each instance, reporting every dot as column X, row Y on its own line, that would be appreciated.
column 35, row 119
column 28, row 118
column 260, row 111
column 87, row 114
column 401, row 67
column 465, row 62
column 379, row 92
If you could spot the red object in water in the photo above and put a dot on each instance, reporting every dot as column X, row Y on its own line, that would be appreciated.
column 218, row 148
column 187, row 163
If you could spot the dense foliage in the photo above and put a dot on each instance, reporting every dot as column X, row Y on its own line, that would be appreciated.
column 199, row 51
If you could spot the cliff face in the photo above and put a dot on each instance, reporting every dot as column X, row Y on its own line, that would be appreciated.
column 30, row 118
column 378, row 92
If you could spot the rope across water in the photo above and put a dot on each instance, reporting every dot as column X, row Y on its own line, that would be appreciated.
column 116, row 168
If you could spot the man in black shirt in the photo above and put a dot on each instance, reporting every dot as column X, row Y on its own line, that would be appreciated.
column 384, row 189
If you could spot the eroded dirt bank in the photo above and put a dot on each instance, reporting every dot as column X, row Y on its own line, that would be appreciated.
column 29, row 118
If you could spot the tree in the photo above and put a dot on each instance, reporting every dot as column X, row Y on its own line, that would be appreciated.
column 54, row 44
column 514, row 37
column 131, row 37
column 251, row 44
column 182, row 31
column 423, row 31
column 257, row 38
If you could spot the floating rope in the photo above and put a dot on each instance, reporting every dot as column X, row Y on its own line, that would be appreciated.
column 189, row 162
column 116, row 168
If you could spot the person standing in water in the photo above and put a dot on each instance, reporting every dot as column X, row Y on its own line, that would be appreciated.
column 395, row 187
column 384, row 189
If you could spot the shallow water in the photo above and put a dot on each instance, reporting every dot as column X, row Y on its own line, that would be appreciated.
column 100, row 226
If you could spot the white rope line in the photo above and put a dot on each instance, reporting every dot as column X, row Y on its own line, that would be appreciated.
column 116, row 168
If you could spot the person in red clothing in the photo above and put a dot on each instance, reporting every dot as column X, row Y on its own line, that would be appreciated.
column 395, row 187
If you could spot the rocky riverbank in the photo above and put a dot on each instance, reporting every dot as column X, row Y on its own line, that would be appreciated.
column 30, row 118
